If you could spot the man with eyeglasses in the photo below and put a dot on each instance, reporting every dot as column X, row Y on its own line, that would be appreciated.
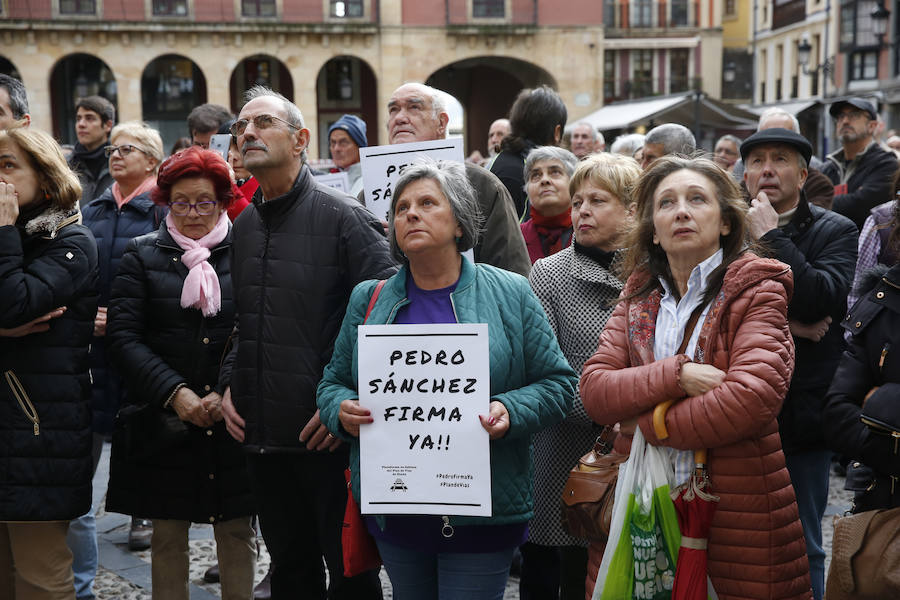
column 345, row 137
column 299, row 249
column 861, row 171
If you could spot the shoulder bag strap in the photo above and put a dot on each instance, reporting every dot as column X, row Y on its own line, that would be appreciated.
column 377, row 291
column 689, row 329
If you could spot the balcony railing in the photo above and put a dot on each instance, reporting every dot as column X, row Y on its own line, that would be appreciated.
column 650, row 14
column 642, row 87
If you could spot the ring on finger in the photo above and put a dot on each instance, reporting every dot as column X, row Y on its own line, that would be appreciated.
column 330, row 435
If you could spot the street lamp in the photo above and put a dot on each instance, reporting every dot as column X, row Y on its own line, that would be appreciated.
column 804, row 50
column 880, row 17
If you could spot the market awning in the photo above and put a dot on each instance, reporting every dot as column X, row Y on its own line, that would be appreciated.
column 795, row 108
column 678, row 108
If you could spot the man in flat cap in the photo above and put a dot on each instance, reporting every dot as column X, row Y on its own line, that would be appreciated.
column 820, row 248
column 862, row 171
column 345, row 137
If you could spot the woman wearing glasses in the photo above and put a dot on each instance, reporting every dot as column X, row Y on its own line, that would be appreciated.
column 123, row 212
column 170, row 316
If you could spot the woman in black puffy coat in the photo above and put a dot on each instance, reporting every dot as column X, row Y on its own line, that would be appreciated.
column 867, row 385
column 48, row 298
column 171, row 313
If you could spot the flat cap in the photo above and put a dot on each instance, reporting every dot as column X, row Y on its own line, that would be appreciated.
column 777, row 135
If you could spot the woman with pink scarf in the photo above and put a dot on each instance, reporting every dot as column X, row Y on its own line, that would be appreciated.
column 170, row 317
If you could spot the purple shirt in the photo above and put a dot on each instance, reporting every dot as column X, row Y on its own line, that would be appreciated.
column 423, row 532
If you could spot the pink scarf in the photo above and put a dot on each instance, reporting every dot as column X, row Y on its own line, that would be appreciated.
column 201, row 286
column 146, row 185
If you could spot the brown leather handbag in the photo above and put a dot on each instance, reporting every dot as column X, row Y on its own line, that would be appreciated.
column 587, row 498
column 865, row 561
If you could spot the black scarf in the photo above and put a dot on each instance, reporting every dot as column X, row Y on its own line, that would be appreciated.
column 596, row 254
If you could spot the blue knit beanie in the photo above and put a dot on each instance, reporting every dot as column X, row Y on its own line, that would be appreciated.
column 355, row 128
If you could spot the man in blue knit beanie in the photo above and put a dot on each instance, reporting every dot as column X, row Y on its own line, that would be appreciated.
column 345, row 137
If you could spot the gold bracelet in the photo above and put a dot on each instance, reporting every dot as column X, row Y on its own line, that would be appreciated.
column 171, row 398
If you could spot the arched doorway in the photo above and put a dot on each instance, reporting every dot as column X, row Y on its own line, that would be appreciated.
column 345, row 84
column 487, row 86
column 73, row 77
column 259, row 69
column 171, row 86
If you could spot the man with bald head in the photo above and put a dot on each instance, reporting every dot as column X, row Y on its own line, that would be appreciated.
column 499, row 129
column 416, row 113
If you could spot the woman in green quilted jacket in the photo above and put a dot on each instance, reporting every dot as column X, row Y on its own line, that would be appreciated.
column 433, row 220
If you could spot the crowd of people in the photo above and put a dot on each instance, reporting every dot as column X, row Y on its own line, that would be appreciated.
column 200, row 311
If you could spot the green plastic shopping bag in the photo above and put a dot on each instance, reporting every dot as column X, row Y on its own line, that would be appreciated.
column 639, row 560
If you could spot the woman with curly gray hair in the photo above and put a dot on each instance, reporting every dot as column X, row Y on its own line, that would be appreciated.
column 433, row 219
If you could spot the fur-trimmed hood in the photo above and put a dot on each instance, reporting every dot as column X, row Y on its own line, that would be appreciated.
column 49, row 222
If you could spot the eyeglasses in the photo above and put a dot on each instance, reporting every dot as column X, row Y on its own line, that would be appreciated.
column 851, row 115
column 262, row 121
column 183, row 209
column 124, row 150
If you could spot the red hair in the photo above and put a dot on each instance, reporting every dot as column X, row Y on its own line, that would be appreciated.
column 195, row 162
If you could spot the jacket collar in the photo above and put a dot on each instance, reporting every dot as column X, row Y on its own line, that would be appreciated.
column 802, row 219
column 141, row 203
column 278, row 206
column 397, row 284
column 585, row 269
column 49, row 223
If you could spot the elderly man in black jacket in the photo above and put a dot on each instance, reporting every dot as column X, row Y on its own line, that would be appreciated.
column 862, row 171
column 299, row 249
column 820, row 247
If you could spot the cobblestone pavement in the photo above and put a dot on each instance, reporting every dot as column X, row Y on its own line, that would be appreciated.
column 125, row 575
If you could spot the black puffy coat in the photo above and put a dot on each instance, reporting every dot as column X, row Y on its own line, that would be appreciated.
column 820, row 247
column 870, row 183
column 871, row 360
column 295, row 260
column 113, row 228
column 45, row 457
column 156, row 344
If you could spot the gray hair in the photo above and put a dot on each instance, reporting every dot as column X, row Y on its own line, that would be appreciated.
column 675, row 139
column 454, row 184
column 627, row 144
column 568, row 160
column 18, row 99
column 594, row 132
column 145, row 135
column 775, row 111
column 437, row 101
column 729, row 138
column 294, row 116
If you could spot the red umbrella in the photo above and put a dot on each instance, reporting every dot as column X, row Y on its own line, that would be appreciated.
column 695, row 506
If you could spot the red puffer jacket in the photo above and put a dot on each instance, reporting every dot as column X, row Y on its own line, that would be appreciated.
column 756, row 546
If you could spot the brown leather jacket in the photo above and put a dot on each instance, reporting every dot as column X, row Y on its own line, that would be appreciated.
column 756, row 546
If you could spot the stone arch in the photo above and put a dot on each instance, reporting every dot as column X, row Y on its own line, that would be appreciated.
column 75, row 76
column 345, row 84
column 171, row 86
column 486, row 86
column 262, row 69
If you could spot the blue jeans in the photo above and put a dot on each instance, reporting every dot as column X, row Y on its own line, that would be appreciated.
column 809, row 474
column 82, row 539
column 419, row 575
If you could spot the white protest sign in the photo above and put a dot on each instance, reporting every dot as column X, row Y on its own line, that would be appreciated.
column 338, row 181
column 426, row 452
column 381, row 165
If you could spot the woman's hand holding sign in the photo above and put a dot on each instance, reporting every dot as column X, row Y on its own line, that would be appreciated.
column 496, row 423
column 352, row 415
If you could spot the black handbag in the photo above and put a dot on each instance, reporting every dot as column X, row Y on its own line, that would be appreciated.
column 144, row 430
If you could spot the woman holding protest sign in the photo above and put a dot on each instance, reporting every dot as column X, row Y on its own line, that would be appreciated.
column 688, row 261
column 433, row 218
